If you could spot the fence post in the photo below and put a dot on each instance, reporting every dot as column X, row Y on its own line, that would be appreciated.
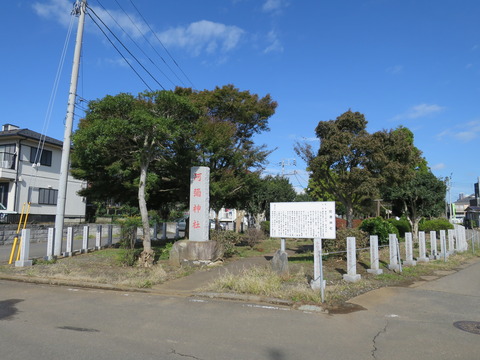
column 351, row 275
column 50, row 238
column 374, row 260
column 69, row 250
column 98, row 238
column 110, row 235
column 318, row 282
column 86, row 232
column 451, row 241
column 443, row 245
column 433, row 245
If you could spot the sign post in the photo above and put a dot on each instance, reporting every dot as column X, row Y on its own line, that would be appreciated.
column 305, row 220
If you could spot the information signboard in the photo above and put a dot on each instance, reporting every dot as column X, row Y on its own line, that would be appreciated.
column 303, row 220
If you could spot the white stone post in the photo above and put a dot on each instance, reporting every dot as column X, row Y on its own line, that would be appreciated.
column 443, row 244
column 433, row 245
column 392, row 244
column 318, row 283
column 24, row 250
column 199, row 223
column 50, row 238
column 86, row 233
column 451, row 241
column 110, row 235
column 374, row 259
column 351, row 275
column 409, row 250
column 98, row 238
column 422, row 248
column 69, row 250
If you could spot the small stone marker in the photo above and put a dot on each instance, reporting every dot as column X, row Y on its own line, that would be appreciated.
column 50, row 239
column 433, row 245
column 317, row 282
column 451, row 241
column 69, row 251
column 409, row 250
column 422, row 249
column 280, row 262
column 443, row 244
column 374, row 259
column 351, row 275
column 392, row 242
column 24, row 250
column 98, row 238
column 86, row 233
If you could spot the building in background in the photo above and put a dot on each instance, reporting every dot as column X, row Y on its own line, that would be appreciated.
column 29, row 173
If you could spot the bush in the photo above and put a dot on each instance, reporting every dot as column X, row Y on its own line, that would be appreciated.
column 253, row 236
column 340, row 243
column 265, row 226
column 402, row 225
column 128, row 235
column 228, row 239
column 381, row 228
column 434, row 225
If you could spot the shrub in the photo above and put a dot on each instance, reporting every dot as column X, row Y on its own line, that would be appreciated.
column 265, row 226
column 434, row 225
column 128, row 234
column 228, row 239
column 380, row 227
column 402, row 225
column 340, row 243
column 253, row 236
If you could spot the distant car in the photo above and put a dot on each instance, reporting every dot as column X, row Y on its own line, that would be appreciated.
column 182, row 224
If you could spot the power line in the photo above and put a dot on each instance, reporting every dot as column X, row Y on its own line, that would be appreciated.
column 121, row 43
column 132, row 40
column 166, row 50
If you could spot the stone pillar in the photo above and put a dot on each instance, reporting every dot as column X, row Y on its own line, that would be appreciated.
column 199, row 226
column 164, row 231
column 110, row 235
column 451, row 241
column 24, row 250
column 374, row 259
column 50, row 239
column 392, row 244
column 86, row 233
column 422, row 248
column 351, row 275
column 409, row 250
column 98, row 238
column 433, row 245
column 69, row 250
column 317, row 282
column 443, row 244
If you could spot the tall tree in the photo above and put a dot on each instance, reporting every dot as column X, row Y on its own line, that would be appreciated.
column 340, row 166
column 230, row 118
column 421, row 196
column 124, row 135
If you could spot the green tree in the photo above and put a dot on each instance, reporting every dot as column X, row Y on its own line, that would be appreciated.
column 229, row 120
column 119, row 140
column 421, row 196
column 340, row 168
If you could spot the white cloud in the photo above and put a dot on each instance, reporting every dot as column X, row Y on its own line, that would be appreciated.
column 275, row 44
column 438, row 166
column 462, row 132
column 465, row 136
column 395, row 69
column 419, row 111
column 60, row 11
column 273, row 6
column 203, row 36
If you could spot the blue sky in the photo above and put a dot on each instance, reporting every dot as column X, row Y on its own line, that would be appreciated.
column 414, row 63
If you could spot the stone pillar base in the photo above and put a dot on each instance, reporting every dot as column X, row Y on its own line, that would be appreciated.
column 423, row 259
column 352, row 278
column 192, row 251
column 409, row 263
column 375, row 271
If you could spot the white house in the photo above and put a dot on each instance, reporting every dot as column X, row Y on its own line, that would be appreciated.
column 30, row 171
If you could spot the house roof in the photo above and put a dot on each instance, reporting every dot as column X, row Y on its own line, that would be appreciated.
column 29, row 134
column 473, row 209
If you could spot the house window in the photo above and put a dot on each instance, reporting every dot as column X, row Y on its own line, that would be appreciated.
column 47, row 196
column 45, row 157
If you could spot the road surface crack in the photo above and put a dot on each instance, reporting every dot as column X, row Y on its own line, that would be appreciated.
column 184, row 355
column 383, row 331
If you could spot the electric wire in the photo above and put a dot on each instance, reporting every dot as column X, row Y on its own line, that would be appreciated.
column 121, row 43
column 164, row 47
column 133, row 41
column 119, row 52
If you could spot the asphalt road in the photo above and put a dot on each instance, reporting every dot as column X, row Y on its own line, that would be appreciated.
column 44, row 322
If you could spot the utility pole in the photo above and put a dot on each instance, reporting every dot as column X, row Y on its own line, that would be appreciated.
column 79, row 9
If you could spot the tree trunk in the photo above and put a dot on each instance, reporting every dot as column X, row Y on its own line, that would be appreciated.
column 349, row 215
column 147, row 256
